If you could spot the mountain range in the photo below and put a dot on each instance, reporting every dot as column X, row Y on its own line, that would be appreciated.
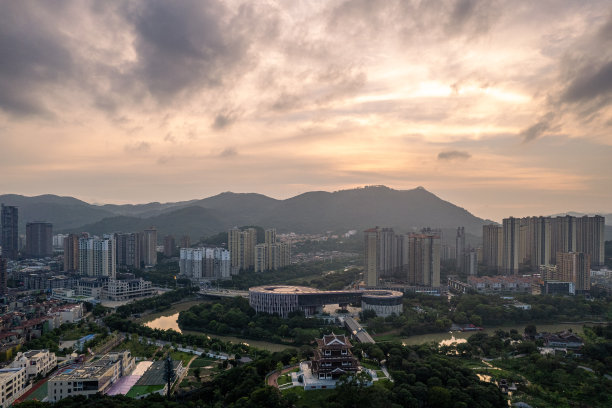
column 311, row 212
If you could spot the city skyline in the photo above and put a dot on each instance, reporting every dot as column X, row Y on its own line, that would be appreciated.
column 500, row 108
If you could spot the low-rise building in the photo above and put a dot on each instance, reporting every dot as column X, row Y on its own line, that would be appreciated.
column 562, row 340
column 90, row 378
column 127, row 289
column 496, row 284
column 35, row 362
column 13, row 383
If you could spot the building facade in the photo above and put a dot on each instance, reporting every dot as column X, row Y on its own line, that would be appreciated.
column 97, row 257
column 460, row 249
column 241, row 245
column 9, row 219
column 169, row 246
column 205, row 264
column 149, row 246
column 126, row 289
column 510, row 246
column 129, row 250
column 574, row 267
column 3, row 276
column 39, row 239
column 71, row 253
column 13, row 383
column 35, row 362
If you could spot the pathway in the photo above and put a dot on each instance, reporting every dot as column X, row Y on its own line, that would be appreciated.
column 273, row 378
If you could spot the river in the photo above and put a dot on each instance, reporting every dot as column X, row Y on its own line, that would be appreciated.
column 170, row 321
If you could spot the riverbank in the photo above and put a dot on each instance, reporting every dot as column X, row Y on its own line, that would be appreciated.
column 175, row 309
column 166, row 321
column 445, row 337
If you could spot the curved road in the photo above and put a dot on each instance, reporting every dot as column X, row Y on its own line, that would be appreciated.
column 273, row 378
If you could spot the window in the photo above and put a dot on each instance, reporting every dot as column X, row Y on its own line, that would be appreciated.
column 328, row 352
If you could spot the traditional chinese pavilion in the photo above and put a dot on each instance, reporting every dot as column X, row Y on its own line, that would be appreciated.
column 333, row 357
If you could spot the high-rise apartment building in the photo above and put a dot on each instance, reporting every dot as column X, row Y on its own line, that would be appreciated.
column 271, row 255
column 424, row 260
column 540, row 241
column 3, row 277
column 9, row 218
column 381, row 252
column 413, row 258
column 470, row 262
column 563, row 236
column 71, row 253
column 459, row 248
column 185, row 242
column 97, row 257
column 169, row 245
column 149, row 247
column 510, row 245
column 204, row 263
column 129, row 250
column 270, row 236
column 371, row 275
column 241, row 245
column 536, row 241
column 574, row 267
column 39, row 239
column 590, row 238
column 190, row 262
column 492, row 249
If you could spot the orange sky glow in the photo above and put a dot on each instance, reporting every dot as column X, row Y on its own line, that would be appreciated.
column 503, row 108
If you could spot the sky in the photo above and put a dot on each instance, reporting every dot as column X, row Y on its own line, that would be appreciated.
column 503, row 108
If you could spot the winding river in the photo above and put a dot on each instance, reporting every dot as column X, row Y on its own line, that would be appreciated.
column 169, row 321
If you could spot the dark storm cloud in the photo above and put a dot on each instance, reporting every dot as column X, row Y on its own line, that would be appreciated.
column 34, row 54
column 454, row 154
column 186, row 46
column 587, row 69
column 590, row 85
column 538, row 129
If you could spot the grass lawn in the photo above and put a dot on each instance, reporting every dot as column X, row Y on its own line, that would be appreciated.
column 137, row 348
column 180, row 355
column 370, row 365
column 203, row 362
column 284, row 379
column 139, row 390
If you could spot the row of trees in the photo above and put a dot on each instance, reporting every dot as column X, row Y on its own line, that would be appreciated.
column 236, row 317
column 428, row 314
column 156, row 303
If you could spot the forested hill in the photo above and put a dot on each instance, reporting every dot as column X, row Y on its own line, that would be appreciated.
column 312, row 212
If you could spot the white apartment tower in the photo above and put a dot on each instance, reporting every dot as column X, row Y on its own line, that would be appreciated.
column 97, row 257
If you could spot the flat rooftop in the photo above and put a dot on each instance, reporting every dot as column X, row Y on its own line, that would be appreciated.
column 6, row 373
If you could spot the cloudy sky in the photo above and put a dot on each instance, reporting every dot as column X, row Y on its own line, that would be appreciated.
column 503, row 108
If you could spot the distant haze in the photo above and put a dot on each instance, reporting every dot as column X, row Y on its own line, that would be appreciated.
column 312, row 212
column 503, row 108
